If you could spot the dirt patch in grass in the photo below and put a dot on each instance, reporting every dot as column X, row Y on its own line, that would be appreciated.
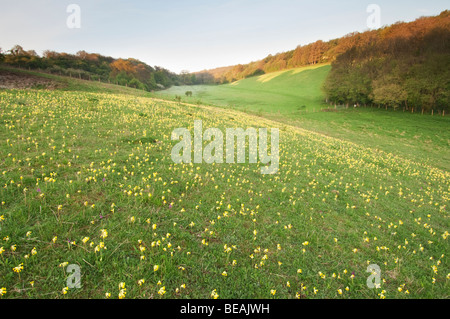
column 19, row 80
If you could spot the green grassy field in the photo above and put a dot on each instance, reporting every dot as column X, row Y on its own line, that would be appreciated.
column 87, row 179
column 65, row 83
column 281, row 95
column 286, row 92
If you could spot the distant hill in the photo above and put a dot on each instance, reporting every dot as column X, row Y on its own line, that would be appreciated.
column 93, row 66
column 325, row 52
column 405, row 65
column 288, row 92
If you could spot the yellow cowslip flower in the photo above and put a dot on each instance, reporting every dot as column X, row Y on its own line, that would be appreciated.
column 214, row 294
column 122, row 293
column 103, row 233
column 18, row 268
column 435, row 269
column 162, row 291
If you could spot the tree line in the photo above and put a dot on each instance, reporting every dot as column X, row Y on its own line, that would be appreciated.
column 406, row 65
column 93, row 66
column 314, row 53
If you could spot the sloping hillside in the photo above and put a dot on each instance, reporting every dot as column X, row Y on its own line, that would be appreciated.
column 286, row 92
column 88, row 181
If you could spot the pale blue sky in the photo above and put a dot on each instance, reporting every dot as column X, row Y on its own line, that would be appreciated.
column 193, row 34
